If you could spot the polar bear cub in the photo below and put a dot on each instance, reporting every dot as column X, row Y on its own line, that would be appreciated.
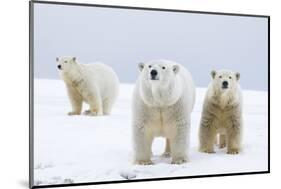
column 163, row 99
column 96, row 84
column 222, row 113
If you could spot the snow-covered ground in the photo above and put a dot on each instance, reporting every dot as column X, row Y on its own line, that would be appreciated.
column 80, row 149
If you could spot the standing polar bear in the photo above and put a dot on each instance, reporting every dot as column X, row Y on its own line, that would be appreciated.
column 163, row 99
column 222, row 113
column 96, row 84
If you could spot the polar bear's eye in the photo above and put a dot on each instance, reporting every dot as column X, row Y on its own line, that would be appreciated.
column 230, row 77
column 65, row 61
column 149, row 66
column 163, row 67
column 220, row 76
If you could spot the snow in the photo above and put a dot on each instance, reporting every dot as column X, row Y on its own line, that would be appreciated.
column 77, row 149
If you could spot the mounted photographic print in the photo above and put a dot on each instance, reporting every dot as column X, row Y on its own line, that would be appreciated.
column 125, row 94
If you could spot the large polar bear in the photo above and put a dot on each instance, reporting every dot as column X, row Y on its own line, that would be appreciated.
column 96, row 84
column 222, row 113
column 163, row 99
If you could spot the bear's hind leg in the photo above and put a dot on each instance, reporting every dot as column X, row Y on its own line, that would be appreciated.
column 95, row 104
column 222, row 141
column 167, row 152
column 107, row 106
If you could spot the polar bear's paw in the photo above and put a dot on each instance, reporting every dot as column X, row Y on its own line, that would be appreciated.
column 73, row 113
column 87, row 112
column 208, row 151
column 222, row 145
column 144, row 162
column 233, row 151
column 166, row 155
column 179, row 160
column 91, row 113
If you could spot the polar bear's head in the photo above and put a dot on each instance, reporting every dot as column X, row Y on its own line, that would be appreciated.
column 159, row 82
column 224, row 80
column 158, row 72
column 65, row 64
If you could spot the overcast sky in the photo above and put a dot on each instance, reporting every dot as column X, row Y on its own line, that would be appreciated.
column 122, row 38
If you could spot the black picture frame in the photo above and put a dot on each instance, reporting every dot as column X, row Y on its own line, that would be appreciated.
column 31, row 91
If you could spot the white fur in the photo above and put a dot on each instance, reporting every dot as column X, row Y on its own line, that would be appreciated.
column 233, row 92
column 222, row 113
column 96, row 84
column 162, row 108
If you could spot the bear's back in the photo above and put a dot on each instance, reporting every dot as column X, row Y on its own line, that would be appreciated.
column 101, row 75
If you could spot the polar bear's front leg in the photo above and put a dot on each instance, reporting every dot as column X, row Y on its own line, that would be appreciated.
column 207, row 135
column 179, row 143
column 76, row 100
column 234, row 136
column 142, row 145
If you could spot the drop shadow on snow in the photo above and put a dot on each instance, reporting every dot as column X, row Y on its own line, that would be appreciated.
column 23, row 183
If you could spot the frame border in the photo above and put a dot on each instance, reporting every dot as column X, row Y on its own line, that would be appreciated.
column 31, row 94
column 31, row 91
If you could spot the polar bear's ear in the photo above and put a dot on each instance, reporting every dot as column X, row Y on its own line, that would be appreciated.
column 73, row 59
column 213, row 73
column 237, row 75
column 176, row 69
column 57, row 59
column 141, row 66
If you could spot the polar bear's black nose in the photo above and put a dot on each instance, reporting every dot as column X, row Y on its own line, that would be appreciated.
column 59, row 66
column 224, row 84
column 153, row 73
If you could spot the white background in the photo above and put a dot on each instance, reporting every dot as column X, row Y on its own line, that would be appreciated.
column 14, row 92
